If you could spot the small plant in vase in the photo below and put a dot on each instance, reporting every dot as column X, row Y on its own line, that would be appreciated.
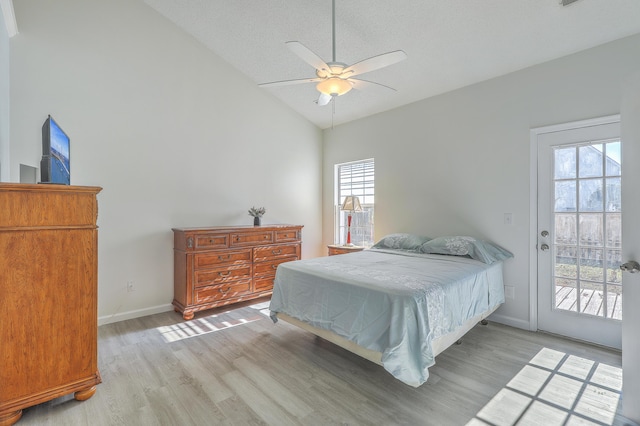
column 257, row 214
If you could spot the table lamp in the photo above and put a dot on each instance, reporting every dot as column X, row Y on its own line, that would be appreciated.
column 351, row 204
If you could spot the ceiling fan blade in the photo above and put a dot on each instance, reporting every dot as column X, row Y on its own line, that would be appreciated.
column 363, row 84
column 289, row 82
column 374, row 63
column 307, row 55
column 324, row 99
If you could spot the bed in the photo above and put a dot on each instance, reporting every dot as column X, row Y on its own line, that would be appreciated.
column 395, row 306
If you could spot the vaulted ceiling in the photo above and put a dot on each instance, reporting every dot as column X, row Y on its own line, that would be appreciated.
column 449, row 43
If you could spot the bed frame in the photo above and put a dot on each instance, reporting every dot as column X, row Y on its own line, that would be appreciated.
column 438, row 345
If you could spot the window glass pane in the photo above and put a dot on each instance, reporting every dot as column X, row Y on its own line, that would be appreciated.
column 591, row 230
column 613, row 159
column 565, row 163
column 591, row 263
column 592, row 299
column 566, row 294
column 591, row 197
column 614, row 230
column 565, row 229
column 614, row 260
column 590, row 164
column 565, row 265
column 565, row 196
column 614, row 195
column 614, row 302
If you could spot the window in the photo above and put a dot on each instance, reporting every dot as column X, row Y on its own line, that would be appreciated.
column 355, row 178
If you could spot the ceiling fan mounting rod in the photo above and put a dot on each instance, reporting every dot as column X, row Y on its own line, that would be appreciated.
column 333, row 27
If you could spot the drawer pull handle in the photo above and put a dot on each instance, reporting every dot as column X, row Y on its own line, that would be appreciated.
column 237, row 238
column 276, row 251
column 274, row 266
column 227, row 257
column 225, row 291
column 226, row 274
column 266, row 237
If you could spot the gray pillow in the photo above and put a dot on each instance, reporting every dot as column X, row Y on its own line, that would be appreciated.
column 409, row 242
column 466, row 246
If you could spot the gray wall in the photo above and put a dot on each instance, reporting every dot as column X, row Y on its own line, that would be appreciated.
column 4, row 100
column 455, row 164
column 174, row 135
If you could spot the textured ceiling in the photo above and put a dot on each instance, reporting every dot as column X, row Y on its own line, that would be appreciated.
column 449, row 43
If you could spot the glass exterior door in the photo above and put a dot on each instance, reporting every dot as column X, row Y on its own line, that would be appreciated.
column 579, row 237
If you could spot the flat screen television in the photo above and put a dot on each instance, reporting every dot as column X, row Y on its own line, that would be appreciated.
column 54, row 166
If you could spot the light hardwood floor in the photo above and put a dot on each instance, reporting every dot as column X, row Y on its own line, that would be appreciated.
column 233, row 366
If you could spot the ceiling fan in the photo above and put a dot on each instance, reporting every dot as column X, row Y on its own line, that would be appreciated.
column 336, row 78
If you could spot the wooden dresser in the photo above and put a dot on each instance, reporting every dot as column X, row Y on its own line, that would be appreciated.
column 223, row 265
column 48, row 295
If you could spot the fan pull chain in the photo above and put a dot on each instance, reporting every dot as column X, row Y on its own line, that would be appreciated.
column 333, row 110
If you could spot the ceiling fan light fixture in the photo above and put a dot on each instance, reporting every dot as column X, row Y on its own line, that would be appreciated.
column 334, row 86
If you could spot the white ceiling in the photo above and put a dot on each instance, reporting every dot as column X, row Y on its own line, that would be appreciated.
column 449, row 43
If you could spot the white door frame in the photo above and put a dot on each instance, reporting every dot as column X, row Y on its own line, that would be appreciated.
column 533, row 203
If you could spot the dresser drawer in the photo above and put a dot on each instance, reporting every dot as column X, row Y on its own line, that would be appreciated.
column 211, row 241
column 205, row 260
column 275, row 252
column 251, row 238
column 204, row 277
column 263, row 284
column 286, row 236
column 223, row 291
column 269, row 268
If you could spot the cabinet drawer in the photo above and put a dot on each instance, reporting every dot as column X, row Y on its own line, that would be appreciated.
column 334, row 250
column 263, row 284
column 224, row 291
column 221, row 275
column 211, row 241
column 287, row 236
column 269, row 268
column 275, row 252
column 204, row 260
column 251, row 238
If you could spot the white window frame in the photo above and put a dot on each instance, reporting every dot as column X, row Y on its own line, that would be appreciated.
column 355, row 178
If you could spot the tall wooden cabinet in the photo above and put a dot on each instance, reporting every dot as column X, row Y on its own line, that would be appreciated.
column 48, row 295
column 221, row 265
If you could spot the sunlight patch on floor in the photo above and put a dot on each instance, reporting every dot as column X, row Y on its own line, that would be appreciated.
column 263, row 308
column 556, row 388
column 210, row 324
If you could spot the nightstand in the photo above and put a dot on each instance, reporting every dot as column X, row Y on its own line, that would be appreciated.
column 338, row 249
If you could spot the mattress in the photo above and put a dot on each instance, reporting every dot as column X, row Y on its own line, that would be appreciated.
column 389, row 301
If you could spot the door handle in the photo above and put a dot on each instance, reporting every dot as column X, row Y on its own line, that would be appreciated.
column 544, row 247
column 630, row 266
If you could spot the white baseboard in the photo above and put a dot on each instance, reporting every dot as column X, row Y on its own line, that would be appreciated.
column 510, row 321
column 122, row 316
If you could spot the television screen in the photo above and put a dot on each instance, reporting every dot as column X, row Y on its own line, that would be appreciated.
column 54, row 165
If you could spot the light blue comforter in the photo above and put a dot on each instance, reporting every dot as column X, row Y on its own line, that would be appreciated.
column 389, row 301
